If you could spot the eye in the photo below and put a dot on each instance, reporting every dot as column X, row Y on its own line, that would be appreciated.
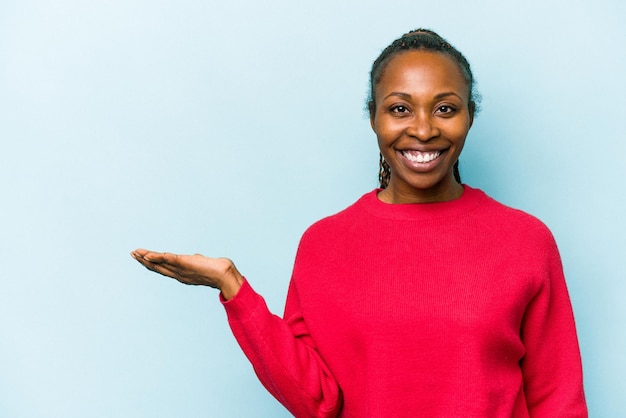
column 445, row 109
column 399, row 109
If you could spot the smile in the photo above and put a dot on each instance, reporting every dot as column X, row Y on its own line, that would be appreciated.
column 420, row 157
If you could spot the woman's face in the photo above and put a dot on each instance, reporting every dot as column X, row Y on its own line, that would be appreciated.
column 421, row 119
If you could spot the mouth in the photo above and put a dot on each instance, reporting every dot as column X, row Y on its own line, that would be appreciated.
column 420, row 157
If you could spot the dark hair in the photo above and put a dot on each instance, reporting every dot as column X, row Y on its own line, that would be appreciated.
column 426, row 40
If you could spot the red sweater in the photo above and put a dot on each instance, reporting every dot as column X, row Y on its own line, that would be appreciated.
column 452, row 309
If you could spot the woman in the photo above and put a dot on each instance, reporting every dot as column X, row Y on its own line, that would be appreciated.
column 425, row 297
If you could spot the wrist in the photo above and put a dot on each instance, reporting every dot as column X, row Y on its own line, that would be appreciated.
column 233, row 281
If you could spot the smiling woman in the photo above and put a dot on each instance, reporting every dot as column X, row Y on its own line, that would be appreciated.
column 425, row 297
column 421, row 118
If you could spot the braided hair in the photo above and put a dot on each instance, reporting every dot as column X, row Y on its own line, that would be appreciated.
column 425, row 40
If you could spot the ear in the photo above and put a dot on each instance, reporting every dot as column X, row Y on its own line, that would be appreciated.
column 472, row 112
column 372, row 108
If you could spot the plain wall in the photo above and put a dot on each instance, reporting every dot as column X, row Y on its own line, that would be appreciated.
column 226, row 128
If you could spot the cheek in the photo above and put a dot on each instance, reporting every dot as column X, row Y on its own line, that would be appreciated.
column 385, row 139
column 458, row 131
column 384, row 143
column 386, row 131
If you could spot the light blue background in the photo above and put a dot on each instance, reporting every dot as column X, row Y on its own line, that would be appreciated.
column 227, row 128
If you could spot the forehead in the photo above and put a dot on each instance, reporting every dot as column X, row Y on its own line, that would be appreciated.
column 423, row 70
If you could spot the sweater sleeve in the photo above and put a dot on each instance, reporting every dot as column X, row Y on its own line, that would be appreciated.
column 552, row 367
column 283, row 354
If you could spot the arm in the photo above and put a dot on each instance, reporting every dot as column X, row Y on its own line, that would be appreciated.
column 283, row 355
column 552, row 367
column 281, row 351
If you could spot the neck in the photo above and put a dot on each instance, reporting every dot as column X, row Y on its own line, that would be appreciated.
column 395, row 196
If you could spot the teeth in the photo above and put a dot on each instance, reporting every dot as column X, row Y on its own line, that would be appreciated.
column 421, row 157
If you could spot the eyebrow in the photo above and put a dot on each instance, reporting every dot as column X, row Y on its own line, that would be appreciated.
column 407, row 96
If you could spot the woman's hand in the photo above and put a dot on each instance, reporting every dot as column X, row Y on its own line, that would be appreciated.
column 219, row 273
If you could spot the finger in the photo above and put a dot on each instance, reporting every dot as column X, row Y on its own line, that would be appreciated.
column 139, row 253
column 147, row 264
column 165, row 270
column 162, row 269
column 144, row 261
column 153, row 256
column 162, row 258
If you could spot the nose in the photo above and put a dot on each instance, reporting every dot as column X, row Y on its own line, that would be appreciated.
column 422, row 127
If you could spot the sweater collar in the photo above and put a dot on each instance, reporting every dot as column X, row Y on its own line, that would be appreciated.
column 469, row 200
